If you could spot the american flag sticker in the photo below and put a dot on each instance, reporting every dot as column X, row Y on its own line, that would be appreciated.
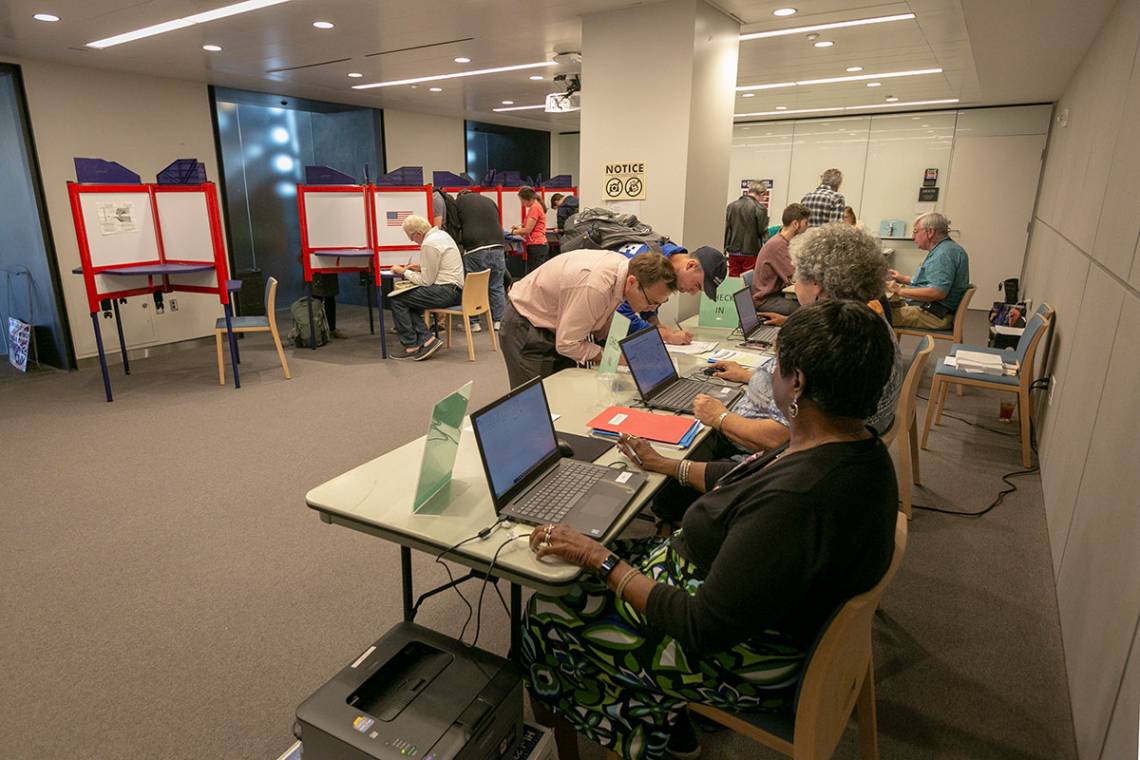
column 396, row 218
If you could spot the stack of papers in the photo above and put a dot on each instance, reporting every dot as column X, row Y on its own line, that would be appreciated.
column 980, row 363
column 669, row 429
column 746, row 358
column 696, row 347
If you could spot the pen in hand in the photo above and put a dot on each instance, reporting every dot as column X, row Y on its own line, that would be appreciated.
column 623, row 442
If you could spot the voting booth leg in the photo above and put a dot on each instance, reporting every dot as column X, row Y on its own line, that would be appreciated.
column 516, row 622
column 312, row 324
column 380, row 309
column 233, row 344
column 371, row 324
column 122, row 341
column 102, row 356
column 406, row 573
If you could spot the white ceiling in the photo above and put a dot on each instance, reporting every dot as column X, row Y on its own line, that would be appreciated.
column 992, row 51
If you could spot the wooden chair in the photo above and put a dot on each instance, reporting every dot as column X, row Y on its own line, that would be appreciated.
column 1025, row 355
column 476, row 301
column 839, row 678
column 904, row 428
column 268, row 324
column 954, row 334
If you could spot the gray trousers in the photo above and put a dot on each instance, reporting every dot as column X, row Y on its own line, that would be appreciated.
column 778, row 304
column 528, row 350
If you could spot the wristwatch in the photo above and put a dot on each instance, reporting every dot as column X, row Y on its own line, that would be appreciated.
column 608, row 565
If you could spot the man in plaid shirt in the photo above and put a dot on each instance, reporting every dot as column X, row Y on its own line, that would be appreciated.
column 826, row 203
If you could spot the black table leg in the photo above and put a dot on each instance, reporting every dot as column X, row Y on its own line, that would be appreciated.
column 371, row 323
column 122, row 341
column 516, row 622
column 406, row 574
column 383, row 330
column 312, row 324
column 102, row 356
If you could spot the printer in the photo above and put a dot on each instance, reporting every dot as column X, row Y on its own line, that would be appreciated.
column 415, row 693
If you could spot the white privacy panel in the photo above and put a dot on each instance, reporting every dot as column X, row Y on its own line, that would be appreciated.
column 336, row 219
column 899, row 150
column 762, row 151
column 392, row 208
column 830, row 144
column 185, row 223
column 119, row 227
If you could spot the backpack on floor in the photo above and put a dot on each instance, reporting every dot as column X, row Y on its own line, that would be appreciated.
column 300, row 332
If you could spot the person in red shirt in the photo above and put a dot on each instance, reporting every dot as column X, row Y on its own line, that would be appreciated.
column 533, row 229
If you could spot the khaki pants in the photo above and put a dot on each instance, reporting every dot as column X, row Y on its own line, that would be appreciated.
column 905, row 315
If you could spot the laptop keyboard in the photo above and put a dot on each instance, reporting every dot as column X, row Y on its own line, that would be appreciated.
column 554, row 497
column 765, row 334
column 680, row 395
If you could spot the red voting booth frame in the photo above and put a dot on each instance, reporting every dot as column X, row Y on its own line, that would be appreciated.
column 158, row 270
column 499, row 191
column 365, row 258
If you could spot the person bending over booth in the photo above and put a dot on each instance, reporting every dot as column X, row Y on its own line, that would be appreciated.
column 439, row 281
column 704, row 268
column 483, row 246
column 533, row 229
column 807, row 526
column 929, row 299
column 552, row 313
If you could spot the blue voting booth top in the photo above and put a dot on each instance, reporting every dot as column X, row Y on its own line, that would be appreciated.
column 629, row 250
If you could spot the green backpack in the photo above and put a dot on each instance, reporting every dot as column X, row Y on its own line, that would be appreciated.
column 300, row 332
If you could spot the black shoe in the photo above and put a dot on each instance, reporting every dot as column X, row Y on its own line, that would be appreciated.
column 427, row 349
column 406, row 354
column 683, row 743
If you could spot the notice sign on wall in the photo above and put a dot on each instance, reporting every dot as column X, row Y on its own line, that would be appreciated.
column 624, row 181
column 765, row 194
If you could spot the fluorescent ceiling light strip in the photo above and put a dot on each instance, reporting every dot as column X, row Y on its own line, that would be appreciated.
column 182, row 23
column 520, row 108
column 833, row 80
column 849, row 108
column 822, row 27
column 438, row 77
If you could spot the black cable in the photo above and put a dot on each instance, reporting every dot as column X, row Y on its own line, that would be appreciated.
column 486, row 578
column 483, row 533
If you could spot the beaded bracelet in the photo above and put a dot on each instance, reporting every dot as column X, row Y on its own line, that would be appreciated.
column 625, row 579
column 683, row 472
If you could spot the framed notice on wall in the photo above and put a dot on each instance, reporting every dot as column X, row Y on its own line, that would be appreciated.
column 624, row 181
column 765, row 195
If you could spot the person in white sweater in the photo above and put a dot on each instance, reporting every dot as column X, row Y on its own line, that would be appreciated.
column 439, row 283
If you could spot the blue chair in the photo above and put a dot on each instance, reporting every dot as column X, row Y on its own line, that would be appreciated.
column 1018, row 383
column 268, row 324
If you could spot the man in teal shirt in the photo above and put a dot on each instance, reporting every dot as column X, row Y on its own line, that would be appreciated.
column 929, row 299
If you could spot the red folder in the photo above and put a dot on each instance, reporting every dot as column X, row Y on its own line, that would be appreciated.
column 663, row 428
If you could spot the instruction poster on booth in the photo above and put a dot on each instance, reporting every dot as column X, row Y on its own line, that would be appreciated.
column 624, row 181
column 115, row 218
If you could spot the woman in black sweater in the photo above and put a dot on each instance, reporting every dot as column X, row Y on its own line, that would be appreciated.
column 724, row 611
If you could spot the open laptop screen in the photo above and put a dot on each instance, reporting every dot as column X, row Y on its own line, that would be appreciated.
column 515, row 436
column 746, row 311
column 648, row 360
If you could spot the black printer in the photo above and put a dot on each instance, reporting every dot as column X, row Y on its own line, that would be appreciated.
column 415, row 693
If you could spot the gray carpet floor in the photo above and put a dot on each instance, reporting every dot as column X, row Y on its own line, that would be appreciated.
column 166, row 593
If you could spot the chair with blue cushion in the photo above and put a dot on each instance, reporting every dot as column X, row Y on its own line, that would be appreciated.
column 1018, row 383
column 268, row 324
column 747, row 277
column 476, row 301
column 838, row 679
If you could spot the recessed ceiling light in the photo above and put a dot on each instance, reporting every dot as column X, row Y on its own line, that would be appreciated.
column 355, row 74
column 874, row 84
column 853, row 69
column 520, row 108
column 892, row 99
column 212, row 48
column 537, row 77
column 461, row 59
column 182, row 23
column 785, row 112
column 323, row 24
column 46, row 17
column 821, row 27
column 823, row 44
column 748, row 95
column 784, row 12
column 435, row 89
column 508, row 102
column 781, row 108
column 438, row 77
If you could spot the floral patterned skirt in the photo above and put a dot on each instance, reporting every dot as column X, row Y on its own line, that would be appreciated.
column 594, row 660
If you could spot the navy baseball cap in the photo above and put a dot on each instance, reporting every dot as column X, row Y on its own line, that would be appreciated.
column 715, row 266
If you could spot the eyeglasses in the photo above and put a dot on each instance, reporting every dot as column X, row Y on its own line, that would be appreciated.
column 651, row 302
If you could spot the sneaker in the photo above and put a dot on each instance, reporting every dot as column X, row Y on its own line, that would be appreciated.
column 404, row 354
column 427, row 349
column 476, row 327
column 498, row 325
column 338, row 334
column 683, row 743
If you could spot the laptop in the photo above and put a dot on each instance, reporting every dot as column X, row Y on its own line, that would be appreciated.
column 756, row 333
column 531, row 482
column 440, row 449
column 656, row 377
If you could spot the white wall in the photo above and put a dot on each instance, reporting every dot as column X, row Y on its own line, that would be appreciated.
column 143, row 123
column 1083, row 259
column 564, row 151
column 883, row 158
column 437, row 143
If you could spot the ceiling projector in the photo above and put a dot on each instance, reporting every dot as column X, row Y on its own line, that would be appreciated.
column 570, row 100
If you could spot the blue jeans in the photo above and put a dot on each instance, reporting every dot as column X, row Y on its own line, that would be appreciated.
column 408, row 310
column 494, row 259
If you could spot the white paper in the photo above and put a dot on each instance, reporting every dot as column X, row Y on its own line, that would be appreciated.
column 696, row 347
column 740, row 357
column 624, row 477
column 116, row 217
column 618, row 418
column 1005, row 330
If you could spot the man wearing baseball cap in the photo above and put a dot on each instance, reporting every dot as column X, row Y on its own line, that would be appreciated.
column 703, row 269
